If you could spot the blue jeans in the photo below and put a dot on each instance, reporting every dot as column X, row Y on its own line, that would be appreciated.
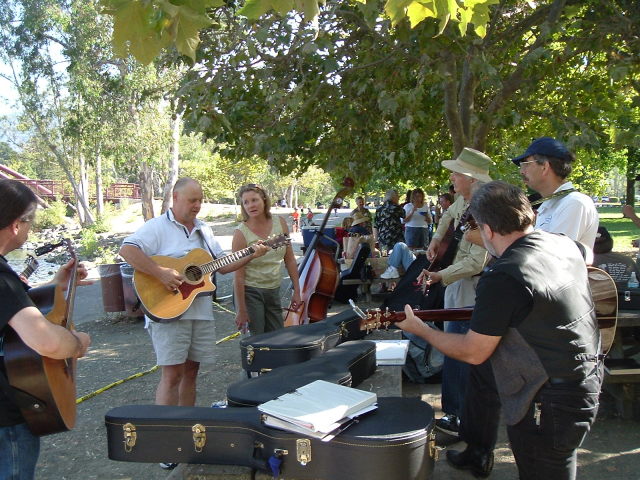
column 416, row 237
column 20, row 449
column 401, row 256
column 455, row 375
column 545, row 445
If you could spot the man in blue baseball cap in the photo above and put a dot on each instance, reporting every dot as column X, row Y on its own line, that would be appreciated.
column 544, row 167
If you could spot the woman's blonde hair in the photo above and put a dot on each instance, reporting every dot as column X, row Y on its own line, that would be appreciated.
column 252, row 187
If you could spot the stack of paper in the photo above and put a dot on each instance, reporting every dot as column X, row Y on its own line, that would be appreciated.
column 320, row 409
column 391, row 352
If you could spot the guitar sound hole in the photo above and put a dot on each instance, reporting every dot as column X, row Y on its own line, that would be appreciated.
column 193, row 273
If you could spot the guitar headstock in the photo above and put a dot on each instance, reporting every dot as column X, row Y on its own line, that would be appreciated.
column 278, row 241
column 375, row 319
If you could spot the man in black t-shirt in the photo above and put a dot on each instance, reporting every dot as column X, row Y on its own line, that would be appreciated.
column 20, row 447
column 533, row 343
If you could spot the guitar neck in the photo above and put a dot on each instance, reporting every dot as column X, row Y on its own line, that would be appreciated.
column 273, row 242
column 28, row 270
column 218, row 263
column 381, row 319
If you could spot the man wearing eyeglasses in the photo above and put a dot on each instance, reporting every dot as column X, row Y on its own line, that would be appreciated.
column 544, row 167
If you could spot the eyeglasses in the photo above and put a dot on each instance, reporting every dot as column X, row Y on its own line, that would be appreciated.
column 527, row 162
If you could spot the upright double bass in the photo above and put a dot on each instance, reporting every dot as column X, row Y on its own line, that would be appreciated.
column 318, row 271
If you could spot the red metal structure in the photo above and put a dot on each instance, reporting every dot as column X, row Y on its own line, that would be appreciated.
column 55, row 189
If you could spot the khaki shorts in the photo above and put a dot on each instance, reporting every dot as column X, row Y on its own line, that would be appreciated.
column 182, row 340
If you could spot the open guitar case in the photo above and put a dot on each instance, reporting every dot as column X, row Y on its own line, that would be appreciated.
column 394, row 442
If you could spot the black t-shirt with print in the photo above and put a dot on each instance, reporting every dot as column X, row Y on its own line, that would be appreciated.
column 13, row 298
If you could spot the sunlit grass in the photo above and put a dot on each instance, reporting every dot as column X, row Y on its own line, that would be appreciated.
column 621, row 229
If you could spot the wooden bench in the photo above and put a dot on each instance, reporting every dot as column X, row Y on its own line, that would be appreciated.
column 623, row 386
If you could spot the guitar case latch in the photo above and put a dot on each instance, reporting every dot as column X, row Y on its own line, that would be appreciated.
column 130, row 436
column 199, row 437
column 250, row 354
column 303, row 451
column 434, row 450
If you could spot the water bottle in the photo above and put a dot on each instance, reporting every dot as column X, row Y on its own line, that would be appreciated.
column 633, row 281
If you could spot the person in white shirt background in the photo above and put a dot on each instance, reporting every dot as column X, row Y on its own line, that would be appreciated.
column 544, row 167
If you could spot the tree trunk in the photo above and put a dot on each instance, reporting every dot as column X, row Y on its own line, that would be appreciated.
column 633, row 166
column 98, row 181
column 83, row 193
column 146, row 191
column 167, row 195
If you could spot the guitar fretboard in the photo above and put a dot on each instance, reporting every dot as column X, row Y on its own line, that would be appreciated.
column 226, row 260
column 32, row 264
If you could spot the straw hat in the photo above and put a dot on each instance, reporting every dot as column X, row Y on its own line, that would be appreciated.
column 472, row 163
column 358, row 218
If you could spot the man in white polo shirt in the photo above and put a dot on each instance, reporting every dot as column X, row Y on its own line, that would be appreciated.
column 544, row 167
column 183, row 344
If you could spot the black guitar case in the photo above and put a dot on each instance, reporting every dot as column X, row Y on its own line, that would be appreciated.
column 357, row 271
column 349, row 324
column 395, row 442
column 266, row 351
column 348, row 364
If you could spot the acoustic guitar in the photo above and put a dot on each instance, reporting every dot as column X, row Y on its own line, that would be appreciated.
column 162, row 305
column 603, row 292
column 31, row 264
column 45, row 387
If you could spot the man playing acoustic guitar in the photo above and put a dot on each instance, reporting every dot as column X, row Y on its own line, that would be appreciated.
column 180, row 345
column 19, row 446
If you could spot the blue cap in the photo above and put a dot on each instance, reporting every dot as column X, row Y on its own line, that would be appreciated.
column 547, row 146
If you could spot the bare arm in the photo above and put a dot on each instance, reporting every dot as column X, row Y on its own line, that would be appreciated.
column 471, row 347
column 628, row 212
column 139, row 260
column 46, row 338
column 242, row 317
column 259, row 250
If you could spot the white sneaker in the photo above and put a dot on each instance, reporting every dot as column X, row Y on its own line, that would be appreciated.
column 390, row 272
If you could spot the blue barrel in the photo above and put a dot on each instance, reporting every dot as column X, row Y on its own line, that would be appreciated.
column 309, row 232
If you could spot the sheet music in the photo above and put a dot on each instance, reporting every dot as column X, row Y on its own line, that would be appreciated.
column 319, row 406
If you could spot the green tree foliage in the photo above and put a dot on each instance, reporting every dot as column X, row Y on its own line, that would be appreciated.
column 363, row 96
column 143, row 28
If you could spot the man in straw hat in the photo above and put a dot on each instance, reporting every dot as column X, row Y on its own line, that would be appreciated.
column 468, row 170
column 361, row 217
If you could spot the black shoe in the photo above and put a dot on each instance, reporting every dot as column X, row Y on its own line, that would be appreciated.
column 168, row 466
column 480, row 463
column 449, row 424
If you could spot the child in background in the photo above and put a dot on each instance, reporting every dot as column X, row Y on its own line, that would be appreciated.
column 295, row 224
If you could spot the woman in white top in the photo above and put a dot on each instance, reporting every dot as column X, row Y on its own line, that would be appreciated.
column 417, row 220
column 257, row 285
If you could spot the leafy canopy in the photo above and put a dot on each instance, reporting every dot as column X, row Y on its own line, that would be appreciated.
column 143, row 28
